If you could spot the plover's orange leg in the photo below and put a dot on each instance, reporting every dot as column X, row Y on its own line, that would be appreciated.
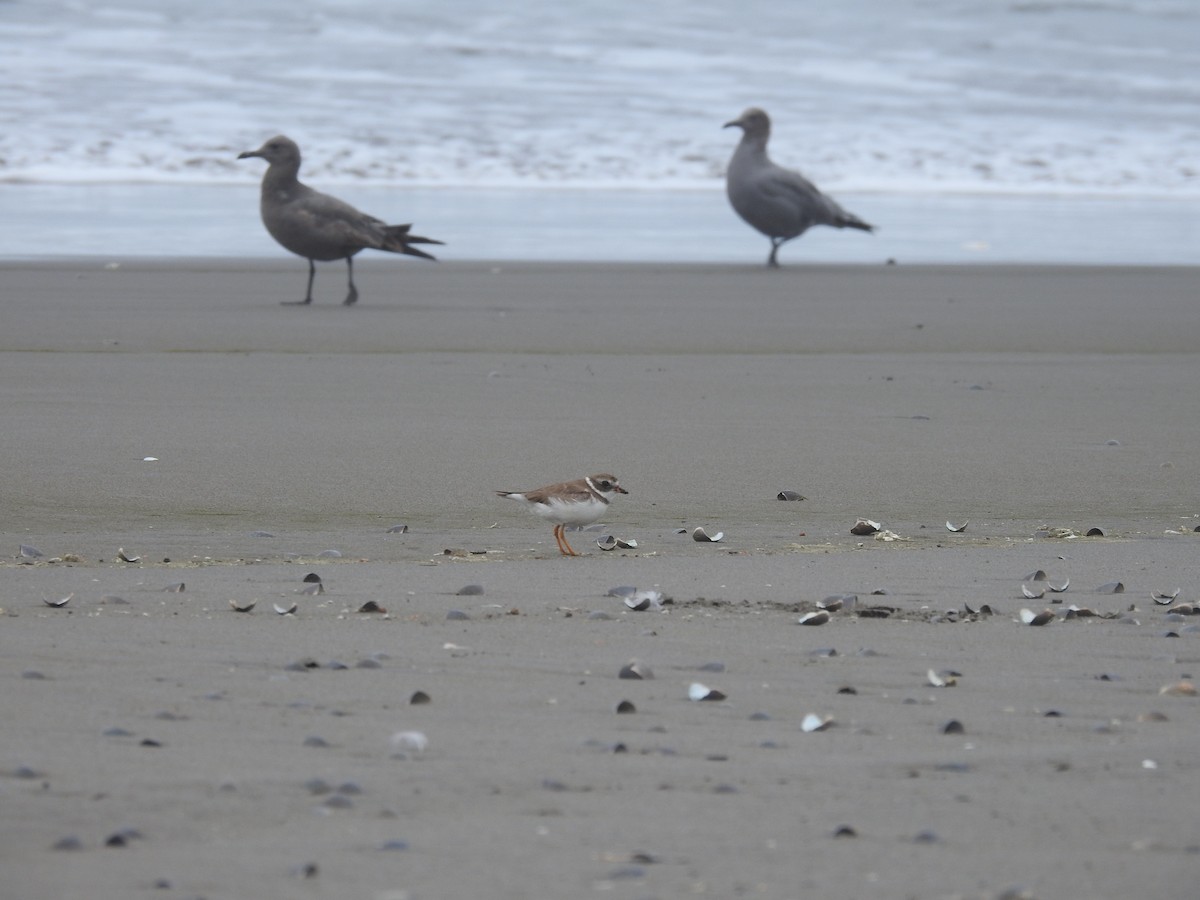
column 560, row 533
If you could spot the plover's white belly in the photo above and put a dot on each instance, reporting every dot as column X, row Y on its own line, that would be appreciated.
column 569, row 513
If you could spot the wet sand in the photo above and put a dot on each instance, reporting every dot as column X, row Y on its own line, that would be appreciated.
column 1015, row 398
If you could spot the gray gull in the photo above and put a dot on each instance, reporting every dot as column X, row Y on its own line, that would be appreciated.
column 779, row 202
column 318, row 226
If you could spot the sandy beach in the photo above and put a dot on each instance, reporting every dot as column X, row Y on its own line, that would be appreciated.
column 158, row 743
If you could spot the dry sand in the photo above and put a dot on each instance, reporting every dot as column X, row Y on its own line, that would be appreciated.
column 1012, row 397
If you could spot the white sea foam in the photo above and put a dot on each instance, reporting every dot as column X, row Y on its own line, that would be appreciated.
column 938, row 96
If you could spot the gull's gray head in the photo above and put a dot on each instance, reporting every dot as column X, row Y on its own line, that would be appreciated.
column 279, row 150
column 753, row 121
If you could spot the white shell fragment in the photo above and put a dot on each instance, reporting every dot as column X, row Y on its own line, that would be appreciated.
column 640, row 601
column 636, row 671
column 789, row 495
column 408, row 742
column 1029, row 617
column 1165, row 598
column 1033, row 593
column 813, row 722
column 60, row 602
column 940, row 681
column 1111, row 587
column 125, row 556
column 611, row 542
column 285, row 610
column 703, row 537
column 864, row 526
column 1058, row 588
column 28, row 552
column 242, row 607
column 820, row 617
column 950, row 526
column 698, row 691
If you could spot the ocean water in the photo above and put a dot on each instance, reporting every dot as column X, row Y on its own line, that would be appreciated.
column 1071, row 128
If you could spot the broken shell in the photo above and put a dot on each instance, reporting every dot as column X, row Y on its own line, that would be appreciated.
column 624, row 544
column 953, row 727
column 1182, row 609
column 1032, row 593
column 1179, row 689
column 864, row 526
column 1094, row 532
column 698, row 691
column 950, row 526
column 789, row 495
column 608, row 542
column 1031, row 618
column 626, row 707
column 409, row 742
column 397, row 529
column 1039, row 575
column 1111, row 587
column 124, row 556
column 701, row 536
column 28, row 552
column 819, row 617
column 938, row 681
column 311, row 590
column 1058, row 588
column 1079, row 612
column 371, row 607
column 418, row 698
column 176, row 588
column 813, row 722
column 635, row 670
column 58, row 603
column 640, row 601
column 285, row 610
column 832, row 604
column 242, row 607
column 311, row 578
column 1165, row 598
column 626, row 590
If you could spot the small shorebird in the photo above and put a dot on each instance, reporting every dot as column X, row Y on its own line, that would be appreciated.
column 779, row 202
column 318, row 226
column 580, row 502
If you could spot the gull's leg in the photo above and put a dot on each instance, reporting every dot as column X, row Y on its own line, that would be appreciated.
column 352, row 296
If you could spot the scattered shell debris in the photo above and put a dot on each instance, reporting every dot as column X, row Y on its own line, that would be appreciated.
column 703, row 537
column 176, row 587
column 790, row 495
column 242, row 607
column 626, row 707
column 419, row 698
column 59, row 602
column 700, row 692
column 1178, row 689
column 311, row 590
column 819, row 617
column 1094, row 532
column 640, row 601
column 1165, row 598
column 813, row 722
column 611, row 542
column 865, row 527
column 1058, row 588
column 635, row 670
column 835, row 602
column 125, row 556
column 1111, row 587
column 405, row 742
column 888, row 536
column 1058, row 533
column 371, row 607
column 953, row 727
column 285, row 610
column 397, row 529
column 940, row 680
column 1033, row 593
column 957, row 529
column 1029, row 617
column 28, row 552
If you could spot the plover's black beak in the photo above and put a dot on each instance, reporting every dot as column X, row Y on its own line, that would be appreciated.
column 619, row 489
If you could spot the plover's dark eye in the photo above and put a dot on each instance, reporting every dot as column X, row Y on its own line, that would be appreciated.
column 605, row 485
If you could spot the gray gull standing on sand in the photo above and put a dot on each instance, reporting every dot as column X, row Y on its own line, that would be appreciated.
column 317, row 226
column 780, row 203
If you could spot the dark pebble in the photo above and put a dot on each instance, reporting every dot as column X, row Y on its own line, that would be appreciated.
column 312, row 578
column 470, row 590
column 456, row 615
column 625, row 707
column 953, row 727
column 418, row 698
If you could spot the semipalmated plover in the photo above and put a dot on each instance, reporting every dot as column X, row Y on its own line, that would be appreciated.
column 579, row 502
